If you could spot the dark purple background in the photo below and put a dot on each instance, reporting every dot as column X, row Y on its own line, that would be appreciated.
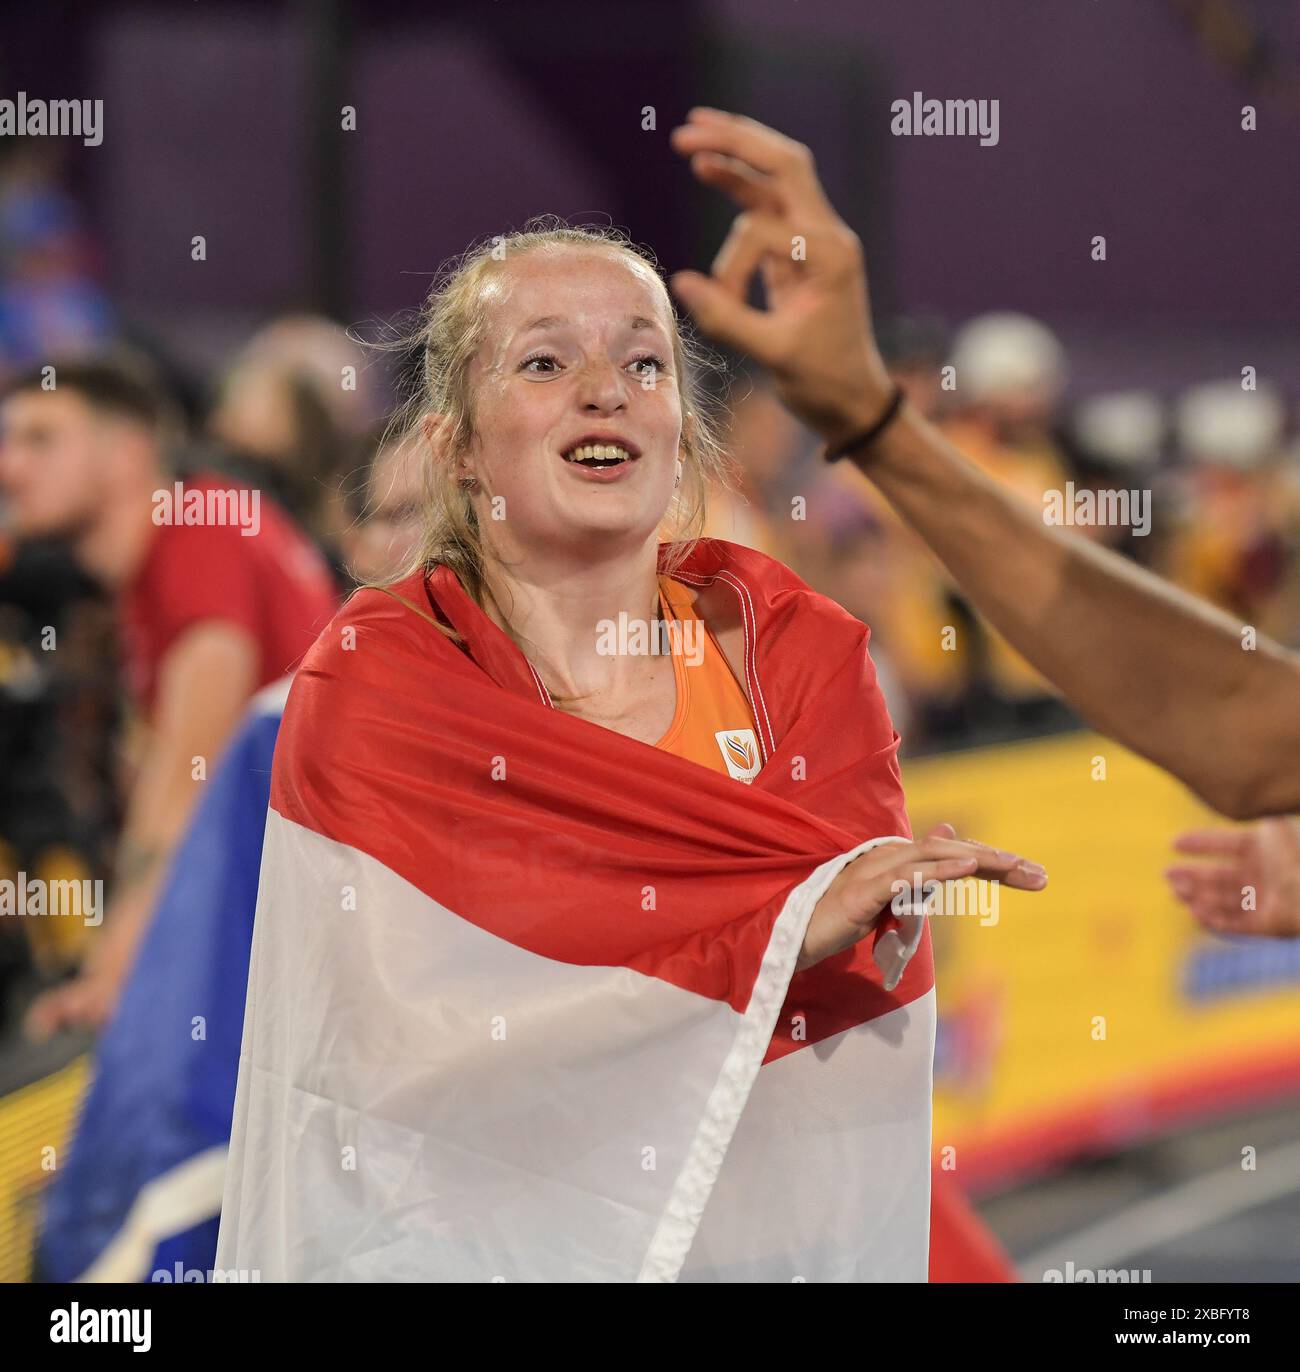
column 1114, row 119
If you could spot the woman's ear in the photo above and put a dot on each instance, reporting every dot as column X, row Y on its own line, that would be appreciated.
column 432, row 426
column 438, row 436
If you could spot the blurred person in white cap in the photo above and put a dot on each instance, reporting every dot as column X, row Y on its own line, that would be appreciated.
column 858, row 550
column 1229, row 546
column 1115, row 441
column 1008, row 376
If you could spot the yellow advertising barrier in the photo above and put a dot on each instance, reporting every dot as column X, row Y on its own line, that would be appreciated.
column 35, row 1126
column 1095, row 1012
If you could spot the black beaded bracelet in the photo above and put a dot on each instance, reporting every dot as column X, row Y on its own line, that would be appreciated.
column 868, row 435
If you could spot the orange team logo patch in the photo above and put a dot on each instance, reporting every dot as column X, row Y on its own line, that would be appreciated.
column 740, row 752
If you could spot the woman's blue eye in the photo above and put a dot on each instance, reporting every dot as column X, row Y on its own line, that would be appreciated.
column 650, row 357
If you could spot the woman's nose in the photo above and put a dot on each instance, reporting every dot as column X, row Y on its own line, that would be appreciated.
column 602, row 385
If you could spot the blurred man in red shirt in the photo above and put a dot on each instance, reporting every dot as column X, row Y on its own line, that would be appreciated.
column 218, row 594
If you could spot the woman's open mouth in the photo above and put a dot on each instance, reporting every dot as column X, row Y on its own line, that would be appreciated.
column 600, row 461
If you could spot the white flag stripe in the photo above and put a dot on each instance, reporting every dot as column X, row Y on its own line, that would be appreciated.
column 828, row 1176
column 420, row 1100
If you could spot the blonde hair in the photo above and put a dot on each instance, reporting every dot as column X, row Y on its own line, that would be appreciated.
column 450, row 329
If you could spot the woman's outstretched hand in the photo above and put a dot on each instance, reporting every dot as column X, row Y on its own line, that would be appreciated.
column 815, row 336
column 869, row 885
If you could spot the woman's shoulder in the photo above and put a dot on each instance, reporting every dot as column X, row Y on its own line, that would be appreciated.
column 755, row 579
column 377, row 630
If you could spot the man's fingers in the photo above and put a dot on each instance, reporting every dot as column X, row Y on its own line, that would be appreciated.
column 1201, row 901
column 724, row 318
column 1214, row 842
column 1216, row 922
column 1224, row 885
column 753, row 236
column 1218, row 877
column 747, row 188
column 788, row 163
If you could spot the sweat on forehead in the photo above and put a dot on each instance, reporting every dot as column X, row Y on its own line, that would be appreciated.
column 571, row 282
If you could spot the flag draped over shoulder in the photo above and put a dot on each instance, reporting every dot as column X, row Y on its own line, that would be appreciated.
column 522, row 1002
column 140, row 1192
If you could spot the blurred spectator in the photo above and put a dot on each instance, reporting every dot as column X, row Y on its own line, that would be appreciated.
column 1010, row 373
column 50, row 302
column 383, row 501
column 323, row 354
column 217, row 594
column 160, row 1105
column 1115, row 441
column 766, row 443
column 58, row 803
column 878, row 570
column 278, row 424
column 914, row 349
column 1231, row 541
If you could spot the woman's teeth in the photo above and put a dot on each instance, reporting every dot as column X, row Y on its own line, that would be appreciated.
column 599, row 454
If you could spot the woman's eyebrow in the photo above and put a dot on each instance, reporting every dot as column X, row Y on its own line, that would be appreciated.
column 546, row 321
column 552, row 321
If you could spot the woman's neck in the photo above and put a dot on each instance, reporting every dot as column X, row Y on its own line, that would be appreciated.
column 564, row 619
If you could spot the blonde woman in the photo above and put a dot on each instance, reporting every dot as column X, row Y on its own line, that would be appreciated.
column 589, row 941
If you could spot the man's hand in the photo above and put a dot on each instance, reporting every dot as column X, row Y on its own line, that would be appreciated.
column 86, row 1002
column 1253, row 884
column 865, row 888
column 815, row 336
column 90, row 998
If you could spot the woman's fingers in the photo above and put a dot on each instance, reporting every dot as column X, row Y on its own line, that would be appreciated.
column 912, row 888
column 938, row 858
column 993, row 863
column 906, row 879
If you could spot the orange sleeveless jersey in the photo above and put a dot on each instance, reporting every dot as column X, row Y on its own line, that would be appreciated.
column 713, row 724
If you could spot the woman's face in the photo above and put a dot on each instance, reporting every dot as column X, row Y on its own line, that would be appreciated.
column 578, row 345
